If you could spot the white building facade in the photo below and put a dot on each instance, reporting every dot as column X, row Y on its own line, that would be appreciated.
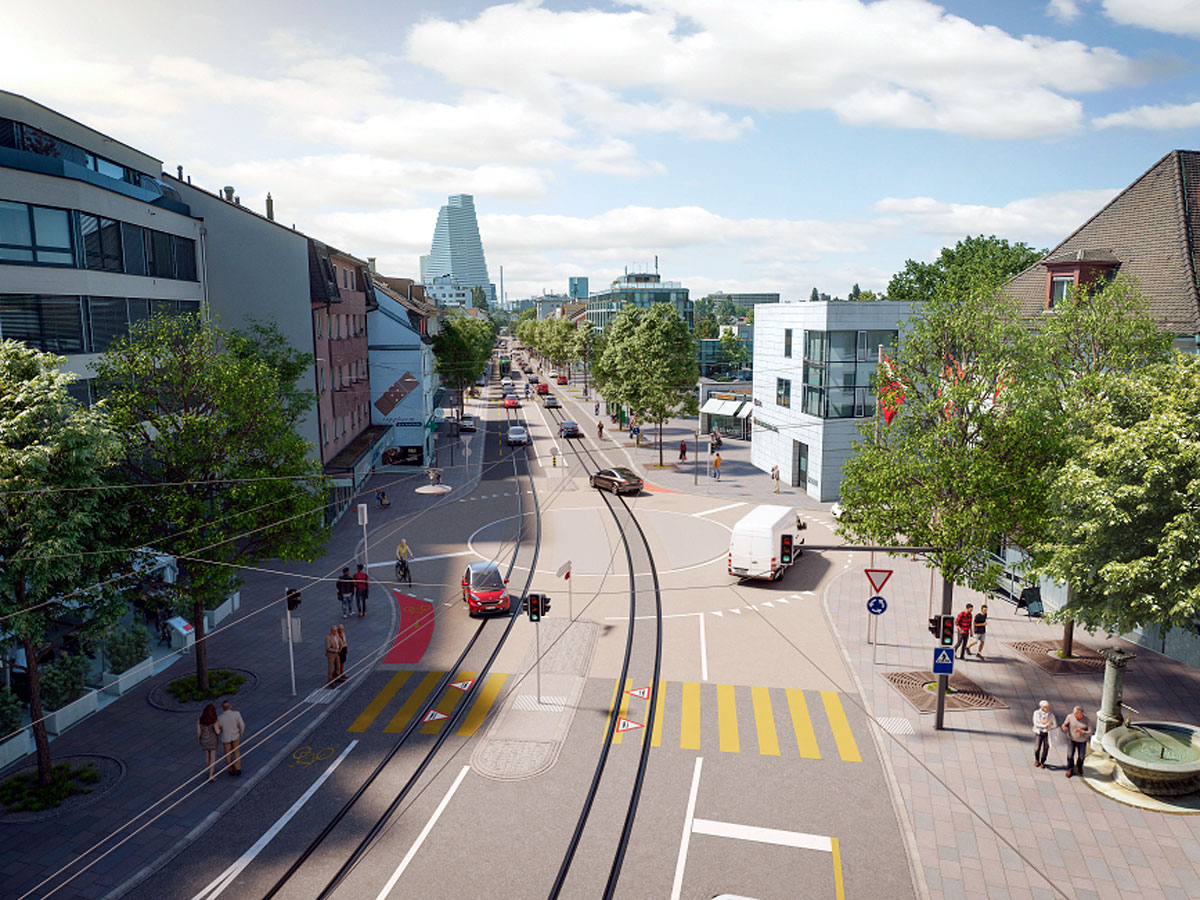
column 814, row 365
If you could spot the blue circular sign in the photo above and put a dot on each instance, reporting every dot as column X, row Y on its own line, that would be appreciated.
column 876, row 606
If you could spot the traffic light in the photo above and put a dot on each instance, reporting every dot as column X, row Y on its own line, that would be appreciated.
column 293, row 599
column 535, row 607
column 785, row 550
column 935, row 626
column 942, row 628
column 545, row 604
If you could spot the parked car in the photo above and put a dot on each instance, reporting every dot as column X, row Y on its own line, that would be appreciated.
column 543, row 388
column 511, row 402
column 551, row 402
column 619, row 480
column 517, row 436
column 484, row 589
column 568, row 429
column 466, row 423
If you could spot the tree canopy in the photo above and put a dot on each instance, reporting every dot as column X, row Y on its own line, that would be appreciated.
column 973, row 263
column 462, row 348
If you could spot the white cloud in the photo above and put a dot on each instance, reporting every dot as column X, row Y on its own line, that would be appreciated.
column 1158, row 118
column 1047, row 218
column 1065, row 11
column 1169, row 16
column 902, row 63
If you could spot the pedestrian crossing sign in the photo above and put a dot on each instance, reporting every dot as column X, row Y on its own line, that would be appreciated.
column 943, row 661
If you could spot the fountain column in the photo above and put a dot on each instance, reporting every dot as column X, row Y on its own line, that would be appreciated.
column 1109, row 716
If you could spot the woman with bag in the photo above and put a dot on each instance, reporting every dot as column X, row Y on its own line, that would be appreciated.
column 207, row 731
column 343, row 650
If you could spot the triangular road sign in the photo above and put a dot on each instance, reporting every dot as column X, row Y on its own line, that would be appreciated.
column 640, row 693
column 627, row 725
column 945, row 655
column 433, row 715
column 462, row 685
column 878, row 578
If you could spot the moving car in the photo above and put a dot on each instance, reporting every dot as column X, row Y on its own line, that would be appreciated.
column 551, row 402
column 506, row 382
column 619, row 480
column 533, row 379
column 484, row 589
column 561, row 379
column 567, row 428
column 543, row 388
column 517, row 435
column 511, row 402
column 466, row 423
column 756, row 546
column 526, row 368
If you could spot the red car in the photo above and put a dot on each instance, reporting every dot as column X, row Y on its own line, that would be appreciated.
column 511, row 402
column 562, row 379
column 484, row 589
column 543, row 388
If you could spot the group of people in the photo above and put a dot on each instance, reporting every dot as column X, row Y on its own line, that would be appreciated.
column 1077, row 727
column 352, row 591
column 215, row 730
column 336, row 651
column 968, row 623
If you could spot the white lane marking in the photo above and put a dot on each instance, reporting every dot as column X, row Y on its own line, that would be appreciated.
column 703, row 643
column 709, row 512
column 688, row 824
column 717, row 612
column 763, row 835
column 218, row 885
column 412, row 851
column 392, row 562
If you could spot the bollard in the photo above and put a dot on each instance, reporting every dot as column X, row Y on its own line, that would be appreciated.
column 554, row 460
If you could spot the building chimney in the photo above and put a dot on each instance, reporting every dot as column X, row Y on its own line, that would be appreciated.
column 229, row 193
column 237, row 201
column 371, row 264
column 179, row 169
column 270, row 207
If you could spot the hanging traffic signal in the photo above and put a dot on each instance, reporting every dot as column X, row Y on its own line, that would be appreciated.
column 947, row 631
column 785, row 550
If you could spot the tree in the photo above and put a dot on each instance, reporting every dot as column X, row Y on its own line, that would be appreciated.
column 462, row 348
column 649, row 364
column 855, row 291
column 972, row 263
column 702, row 309
column 726, row 311
column 706, row 329
column 1126, row 529
column 586, row 341
column 235, row 484
column 479, row 298
column 865, row 296
column 733, row 352
column 61, row 532
column 815, row 296
column 264, row 340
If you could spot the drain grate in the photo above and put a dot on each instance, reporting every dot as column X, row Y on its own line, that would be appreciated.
column 896, row 725
column 964, row 693
column 1041, row 654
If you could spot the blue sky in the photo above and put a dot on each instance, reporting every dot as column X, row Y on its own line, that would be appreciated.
column 752, row 145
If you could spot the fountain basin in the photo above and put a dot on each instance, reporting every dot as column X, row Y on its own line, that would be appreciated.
column 1161, row 759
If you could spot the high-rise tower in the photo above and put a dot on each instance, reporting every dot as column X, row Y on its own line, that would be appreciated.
column 456, row 250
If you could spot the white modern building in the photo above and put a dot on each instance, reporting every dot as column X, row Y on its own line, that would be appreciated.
column 457, row 250
column 813, row 369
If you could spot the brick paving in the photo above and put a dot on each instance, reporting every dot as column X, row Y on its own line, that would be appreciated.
column 159, row 747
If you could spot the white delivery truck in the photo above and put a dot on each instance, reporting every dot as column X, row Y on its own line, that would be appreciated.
column 764, row 543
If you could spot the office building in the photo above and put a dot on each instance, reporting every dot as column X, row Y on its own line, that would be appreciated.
column 577, row 287
column 457, row 250
column 638, row 289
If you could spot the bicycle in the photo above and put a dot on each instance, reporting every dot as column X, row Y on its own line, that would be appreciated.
column 402, row 571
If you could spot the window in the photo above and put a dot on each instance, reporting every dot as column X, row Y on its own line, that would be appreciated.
column 317, row 323
column 101, row 243
column 158, row 254
column 133, row 243
column 787, row 342
column 783, row 392
column 53, row 324
column 185, row 258
column 109, row 317
column 325, row 439
column 1060, row 289
column 35, row 234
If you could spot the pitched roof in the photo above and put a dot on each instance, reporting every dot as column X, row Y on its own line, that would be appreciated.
column 1149, row 230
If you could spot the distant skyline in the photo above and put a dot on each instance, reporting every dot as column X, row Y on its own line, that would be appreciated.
column 764, row 145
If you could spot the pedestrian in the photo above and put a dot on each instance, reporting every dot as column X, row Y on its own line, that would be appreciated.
column 964, row 622
column 332, row 656
column 980, row 631
column 360, row 590
column 345, row 591
column 775, row 477
column 343, row 652
column 599, row 429
column 1078, row 730
column 717, row 467
column 597, row 411
column 1044, row 724
column 683, row 451
column 233, row 726
column 207, row 731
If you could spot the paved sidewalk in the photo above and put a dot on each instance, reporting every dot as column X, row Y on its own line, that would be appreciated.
column 158, row 748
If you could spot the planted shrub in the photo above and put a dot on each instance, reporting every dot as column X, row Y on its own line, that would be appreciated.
column 10, row 712
column 63, row 681
column 221, row 682
column 21, row 793
column 125, row 649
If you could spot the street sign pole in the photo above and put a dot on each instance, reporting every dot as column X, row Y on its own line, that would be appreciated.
column 537, row 656
column 291, row 652
column 943, row 681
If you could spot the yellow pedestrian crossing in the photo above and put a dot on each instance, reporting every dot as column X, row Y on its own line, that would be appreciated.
column 418, row 702
column 703, row 716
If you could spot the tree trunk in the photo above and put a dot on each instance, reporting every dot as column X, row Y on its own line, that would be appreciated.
column 1068, row 640
column 201, row 644
column 660, row 452
column 36, row 711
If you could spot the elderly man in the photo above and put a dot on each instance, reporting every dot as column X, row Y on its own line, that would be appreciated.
column 233, row 726
column 1043, row 723
column 1078, row 729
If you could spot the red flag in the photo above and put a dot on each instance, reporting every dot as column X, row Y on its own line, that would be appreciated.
column 891, row 392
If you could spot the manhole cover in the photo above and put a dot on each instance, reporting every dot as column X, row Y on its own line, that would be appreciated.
column 963, row 694
column 1042, row 655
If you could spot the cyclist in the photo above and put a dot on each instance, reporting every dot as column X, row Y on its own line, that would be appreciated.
column 403, row 555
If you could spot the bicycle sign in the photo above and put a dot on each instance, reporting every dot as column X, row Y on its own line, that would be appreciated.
column 304, row 756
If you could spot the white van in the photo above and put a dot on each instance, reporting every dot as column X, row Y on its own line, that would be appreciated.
column 756, row 548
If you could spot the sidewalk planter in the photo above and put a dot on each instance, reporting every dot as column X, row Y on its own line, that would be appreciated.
column 16, row 747
column 119, row 684
column 60, row 720
column 214, row 617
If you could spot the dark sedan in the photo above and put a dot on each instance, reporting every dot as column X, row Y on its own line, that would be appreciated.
column 619, row 480
column 567, row 428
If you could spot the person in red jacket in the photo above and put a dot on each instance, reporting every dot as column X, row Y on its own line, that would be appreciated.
column 963, row 623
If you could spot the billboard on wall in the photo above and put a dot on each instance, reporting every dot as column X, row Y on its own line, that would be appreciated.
column 399, row 404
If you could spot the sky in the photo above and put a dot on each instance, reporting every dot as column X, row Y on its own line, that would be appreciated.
column 756, row 145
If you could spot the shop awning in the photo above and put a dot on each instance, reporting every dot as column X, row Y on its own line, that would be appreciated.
column 746, row 411
column 729, row 407
column 711, row 405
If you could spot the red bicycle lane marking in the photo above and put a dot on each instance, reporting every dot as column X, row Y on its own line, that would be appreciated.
column 415, row 633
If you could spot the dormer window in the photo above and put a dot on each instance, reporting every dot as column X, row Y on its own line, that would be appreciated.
column 1061, row 287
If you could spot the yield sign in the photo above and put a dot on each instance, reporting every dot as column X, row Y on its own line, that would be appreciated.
column 433, row 715
column 624, row 724
column 640, row 693
column 462, row 685
column 878, row 578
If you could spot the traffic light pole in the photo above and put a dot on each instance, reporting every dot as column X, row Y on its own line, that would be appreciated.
column 537, row 656
column 943, row 681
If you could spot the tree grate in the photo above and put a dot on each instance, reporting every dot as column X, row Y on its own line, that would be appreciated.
column 1040, row 653
column 964, row 693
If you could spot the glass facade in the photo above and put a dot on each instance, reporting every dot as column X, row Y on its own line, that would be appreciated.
column 838, row 370
column 58, row 324
column 48, row 236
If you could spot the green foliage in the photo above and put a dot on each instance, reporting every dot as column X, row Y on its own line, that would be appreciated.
column 125, row 648
column 479, row 297
column 64, row 680
column 22, row 793
column 733, row 352
column 706, row 329
column 264, row 341
column 702, row 309
column 815, row 296
column 855, row 292
column 222, row 682
column 974, row 263
column 10, row 712
column 1125, row 534
column 462, row 348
